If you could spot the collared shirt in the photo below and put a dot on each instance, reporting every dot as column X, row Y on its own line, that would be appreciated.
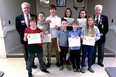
column 63, row 37
column 74, row 34
column 54, row 32
column 26, row 19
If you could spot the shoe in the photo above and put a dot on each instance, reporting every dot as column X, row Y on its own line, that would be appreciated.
column 91, row 70
column 58, row 64
column 78, row 70
column 45, row 71
column 61, row 68
column 68, row 67
column 30, row 75
column 82, row 70
column 34, row 66
column 74, row 70
column 48, row 65
column 101, row 65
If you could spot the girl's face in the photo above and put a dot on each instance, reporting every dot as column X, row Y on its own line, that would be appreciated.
column 32, row 23
column 68, row 13
column 75, row 26
column 82, row 14
column 64, row 24
column 90, row 21
column 41, row 17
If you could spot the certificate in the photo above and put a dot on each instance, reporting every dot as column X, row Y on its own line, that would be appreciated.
column 88, row 41
column 34, row 38
column 54, row 23
column 82, row 22
column 46, row 38
column 69, row 20
column 74, row 42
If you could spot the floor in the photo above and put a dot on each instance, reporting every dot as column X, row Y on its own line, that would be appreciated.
column 15, row 67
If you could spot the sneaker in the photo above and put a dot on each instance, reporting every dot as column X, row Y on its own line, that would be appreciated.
column 61, row 68
column 74, row 70
column 78, row 70
column 58, row 64
column 48, row 65
column 68, row 67
column 34, row 66
column 45, row 71
column 82, row 70
column 91, row 70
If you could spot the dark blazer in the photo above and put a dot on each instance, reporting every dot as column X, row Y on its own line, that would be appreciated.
column 103, row 27
column 21, row 26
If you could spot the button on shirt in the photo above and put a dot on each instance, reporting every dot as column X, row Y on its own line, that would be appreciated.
column 74, row 33
column 54, row 32
column 63, row 38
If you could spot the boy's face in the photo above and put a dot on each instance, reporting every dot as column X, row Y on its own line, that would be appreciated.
column 75, row 26
column 52, row 11
column 32, row 23
column 41, row 17
column 64, row 24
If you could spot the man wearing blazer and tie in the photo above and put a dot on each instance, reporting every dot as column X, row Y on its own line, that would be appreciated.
column 22, row 23
column 101, row 21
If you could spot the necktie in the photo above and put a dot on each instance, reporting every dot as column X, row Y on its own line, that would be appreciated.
column 97, row 21
column 27, row 20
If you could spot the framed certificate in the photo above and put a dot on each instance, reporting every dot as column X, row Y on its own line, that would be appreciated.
column 88, row 41
column 47, row 38
column 69, row 20
column 82, row 22
column 74, row 42
column 54, row 23
column 34, row 38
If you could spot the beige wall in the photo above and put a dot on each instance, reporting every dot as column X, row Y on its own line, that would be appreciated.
column 60, row 10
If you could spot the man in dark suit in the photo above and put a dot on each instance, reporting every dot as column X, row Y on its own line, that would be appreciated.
column 101, row 21
column 21, row 24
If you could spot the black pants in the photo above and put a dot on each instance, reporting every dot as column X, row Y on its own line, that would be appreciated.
column 100, row 47
column 63, row 53
column 75, row 58
column 25, row 52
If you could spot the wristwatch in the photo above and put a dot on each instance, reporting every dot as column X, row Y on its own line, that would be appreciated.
column 79, row 0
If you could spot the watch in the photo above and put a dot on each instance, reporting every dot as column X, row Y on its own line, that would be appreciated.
column 79, row 0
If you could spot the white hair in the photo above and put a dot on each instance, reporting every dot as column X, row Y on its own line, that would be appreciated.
column 99, row 6
column 25, row 3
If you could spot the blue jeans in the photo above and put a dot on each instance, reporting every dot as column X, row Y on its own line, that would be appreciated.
column 87, row 50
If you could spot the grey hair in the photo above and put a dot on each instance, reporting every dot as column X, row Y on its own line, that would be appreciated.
column 100, row 6
column 25, row 3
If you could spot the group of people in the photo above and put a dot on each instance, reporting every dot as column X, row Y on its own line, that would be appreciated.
column 96, row 26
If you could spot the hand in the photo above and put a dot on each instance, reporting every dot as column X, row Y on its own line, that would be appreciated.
column 101, row 34
column 46, row 33
column 25, row 39
column 56, row 27
column 82, row 37
column 77, row 36
column 48, row 22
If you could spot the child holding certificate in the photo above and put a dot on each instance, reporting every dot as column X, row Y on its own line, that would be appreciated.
column 45, row 29
column 75, row 49
column 34, row 48
column 62, row 43
column 90, row 34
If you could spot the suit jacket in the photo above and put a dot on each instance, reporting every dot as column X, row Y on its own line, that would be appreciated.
column 21, row 26
column 103, row 26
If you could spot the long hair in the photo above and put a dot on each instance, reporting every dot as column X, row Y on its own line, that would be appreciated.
column 66, row 11
column 84, row 11
column 91, row 27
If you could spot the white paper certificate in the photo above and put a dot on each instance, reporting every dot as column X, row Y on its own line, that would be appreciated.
column 69, row 20
column 47, row 38
column 82, row 22
column 74, row 42
column 34, row 38
column 54, row 23
column 89, row 41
